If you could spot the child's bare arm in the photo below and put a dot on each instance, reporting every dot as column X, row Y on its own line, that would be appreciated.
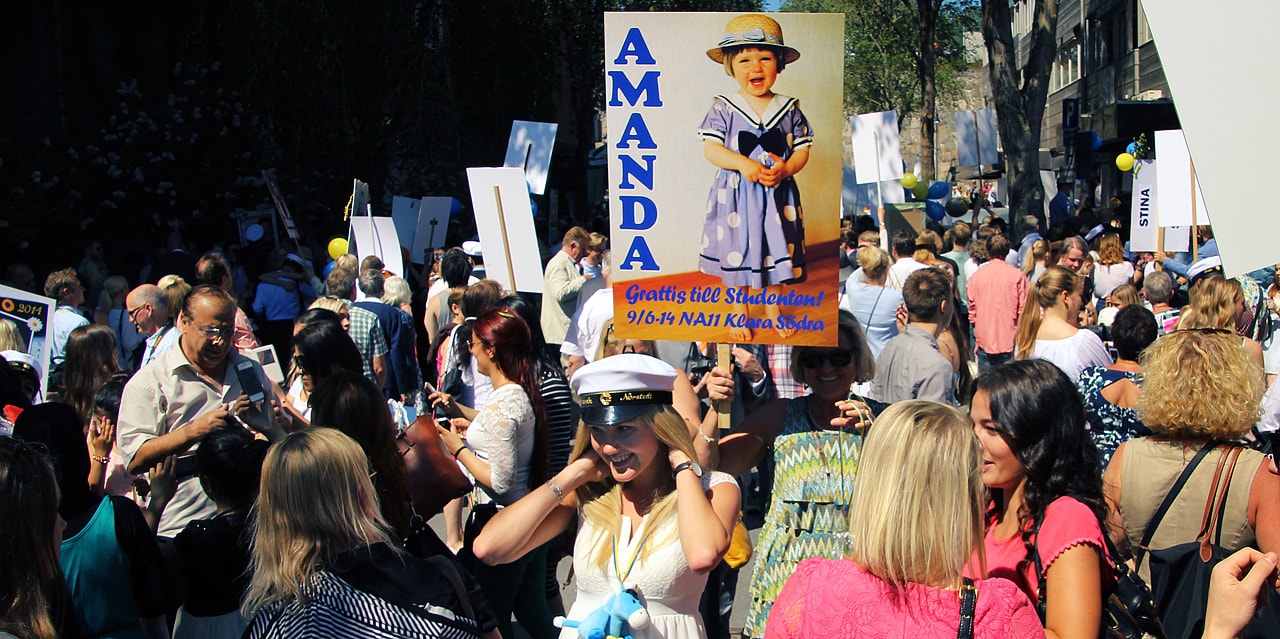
column 721, row 156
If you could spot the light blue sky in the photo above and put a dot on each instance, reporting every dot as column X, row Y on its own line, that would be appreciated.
column 772, row 5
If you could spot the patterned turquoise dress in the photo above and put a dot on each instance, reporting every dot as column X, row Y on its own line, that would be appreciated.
column 809, row 517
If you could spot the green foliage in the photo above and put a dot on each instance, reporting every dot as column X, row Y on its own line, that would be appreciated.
column 882, row 50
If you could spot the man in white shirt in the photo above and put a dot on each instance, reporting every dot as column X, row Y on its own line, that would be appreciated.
column 904, row 247
column 148, row 309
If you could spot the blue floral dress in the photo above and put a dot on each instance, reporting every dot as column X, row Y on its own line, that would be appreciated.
column 754, row 235
column 1109, row 425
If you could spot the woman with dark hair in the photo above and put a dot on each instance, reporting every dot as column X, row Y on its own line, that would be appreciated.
column 33, row 596
column 91, row 361
column 1044, row 523
column 1111, row 392
column 320, row 349
column 505, row 451
column 118, row 583
column 349, row 402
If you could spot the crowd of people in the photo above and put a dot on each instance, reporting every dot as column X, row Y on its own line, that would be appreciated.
column 1004, row 429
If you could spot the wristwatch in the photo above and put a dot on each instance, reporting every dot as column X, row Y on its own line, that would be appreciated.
column 690, row 465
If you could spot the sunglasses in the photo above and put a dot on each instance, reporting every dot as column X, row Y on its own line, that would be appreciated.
column 837, row 358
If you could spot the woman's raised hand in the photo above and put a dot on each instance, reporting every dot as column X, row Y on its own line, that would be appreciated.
column 590, row 467
column 853, row 414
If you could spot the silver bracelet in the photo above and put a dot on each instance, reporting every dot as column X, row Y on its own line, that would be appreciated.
column 555, row 488
column 707, row 438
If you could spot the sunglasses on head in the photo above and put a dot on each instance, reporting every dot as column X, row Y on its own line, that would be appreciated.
column 837, row 358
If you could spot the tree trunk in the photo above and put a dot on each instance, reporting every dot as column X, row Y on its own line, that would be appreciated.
column 1020, row 101
column 927, row 17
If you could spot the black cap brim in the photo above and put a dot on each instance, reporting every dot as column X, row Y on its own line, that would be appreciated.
column 610, row 415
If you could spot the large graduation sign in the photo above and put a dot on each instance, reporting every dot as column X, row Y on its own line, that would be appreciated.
column 724, row 189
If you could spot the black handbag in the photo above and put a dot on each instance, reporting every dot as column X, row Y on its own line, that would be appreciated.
column 1180, row 574
column 1128, row 610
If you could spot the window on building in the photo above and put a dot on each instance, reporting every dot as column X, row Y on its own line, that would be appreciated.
column 1066, row 68
column 1142, row 30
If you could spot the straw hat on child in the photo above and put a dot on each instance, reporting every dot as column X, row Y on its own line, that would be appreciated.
column 752, row 29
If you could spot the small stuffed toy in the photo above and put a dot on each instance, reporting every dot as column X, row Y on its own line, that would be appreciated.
column 615, row 619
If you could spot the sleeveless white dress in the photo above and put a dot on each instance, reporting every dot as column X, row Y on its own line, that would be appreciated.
column 669, row 589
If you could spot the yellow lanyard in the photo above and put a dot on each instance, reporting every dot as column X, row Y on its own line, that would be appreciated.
column 617, row 570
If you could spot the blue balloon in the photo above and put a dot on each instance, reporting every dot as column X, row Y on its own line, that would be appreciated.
column 1095, row 141
column 939, row 190
column 934, row 210
column 328, row 268
column 1132, row 149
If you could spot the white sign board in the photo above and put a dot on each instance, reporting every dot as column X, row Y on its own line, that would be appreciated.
column 266, row 355
column 1177, row 239
column 433, row 224
column 1174, row 181
column 877, row 150
column 404, row 210
column 33, row 315
column 976, row 137
column 529, row 147
column 1224, row 142
column 377, row 236
column 1050, row 183
column 1144, row 225
column 856, row 196
column 501, row 196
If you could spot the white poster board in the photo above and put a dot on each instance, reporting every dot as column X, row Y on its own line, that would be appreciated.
column 976, row 139
column 1050, row 183
column 32, row 314
column 266, row 355
column 1174, row 181
column 877, row 150
column 856, row 195
column 530, row 147
column 1224, row 141
column 517, row 243
column 433, row 224
column 404, row 210
column 377, row 236
column 1177, row 239
column 1144, row 225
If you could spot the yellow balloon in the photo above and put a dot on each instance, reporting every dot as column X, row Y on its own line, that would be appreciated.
column 337, row 247
column 908, row 180
column 1124, row 162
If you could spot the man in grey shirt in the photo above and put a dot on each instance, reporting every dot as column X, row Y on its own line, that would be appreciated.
column 910, row 366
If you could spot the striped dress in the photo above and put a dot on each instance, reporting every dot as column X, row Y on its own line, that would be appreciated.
column 809, row 516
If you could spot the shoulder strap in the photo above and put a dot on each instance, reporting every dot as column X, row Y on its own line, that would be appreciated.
column 1170, row 498
column 450, row 573
column 1222, row 490
column 968, row 606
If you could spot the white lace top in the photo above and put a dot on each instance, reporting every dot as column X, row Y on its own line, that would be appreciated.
column 501, row 435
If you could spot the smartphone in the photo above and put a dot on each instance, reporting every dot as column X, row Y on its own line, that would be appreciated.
column 430, row 389
column 250, row 384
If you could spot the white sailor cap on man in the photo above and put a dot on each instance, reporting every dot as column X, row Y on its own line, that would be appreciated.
column 615, row 389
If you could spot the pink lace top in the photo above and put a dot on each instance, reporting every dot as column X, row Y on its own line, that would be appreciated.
column 836, row 598
column 1067, row 524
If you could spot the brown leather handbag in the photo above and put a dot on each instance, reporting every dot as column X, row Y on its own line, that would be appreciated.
column 434, row 477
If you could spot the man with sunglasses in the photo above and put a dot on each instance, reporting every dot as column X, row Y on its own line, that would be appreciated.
column 188, row 392
column 148, row 309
